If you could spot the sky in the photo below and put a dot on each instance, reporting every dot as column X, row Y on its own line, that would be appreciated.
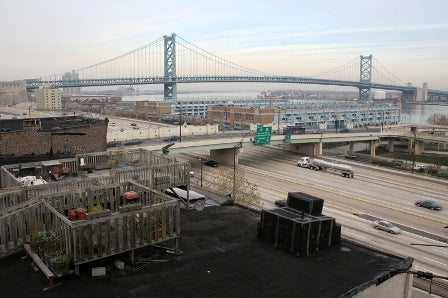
column 408, row 37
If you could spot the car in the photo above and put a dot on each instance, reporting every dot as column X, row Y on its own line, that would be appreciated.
column 344, row 130
column 428, row 204
column 397, row 162
column 133, row 124
column 172, row 139
column 280, row 203
column 318, row 131
column 112, row 124
column 418, row 167
column 210, row 163
column 387, row 226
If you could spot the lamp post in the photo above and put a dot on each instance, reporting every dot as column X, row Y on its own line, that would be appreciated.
column 413, row 129
column 237, row 145
column 180, row 122
column 200, row 159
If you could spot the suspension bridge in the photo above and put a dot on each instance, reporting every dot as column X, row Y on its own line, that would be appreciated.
column 172, row 60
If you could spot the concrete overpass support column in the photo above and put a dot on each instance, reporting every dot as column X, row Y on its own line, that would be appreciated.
column 410, row 147
column 225, row 156
column 419, row 147
column 306, row 149
column 318, row 149
column 391, row 145
column 350, row 148
column 373, row 148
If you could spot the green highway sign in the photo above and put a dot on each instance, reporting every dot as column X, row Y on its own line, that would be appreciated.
column 263, row 135
column 288, row 138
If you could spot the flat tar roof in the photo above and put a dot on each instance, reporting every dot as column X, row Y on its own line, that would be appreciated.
column 221, row 258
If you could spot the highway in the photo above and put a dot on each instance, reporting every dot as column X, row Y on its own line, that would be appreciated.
column 374, row 193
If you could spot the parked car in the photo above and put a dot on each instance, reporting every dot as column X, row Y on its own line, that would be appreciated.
column 344, row 130
column 318, row 131
column 418, row 167
column 280, row 203
column 133, row 124
column 428, row 204
column 172, row 139
column 210, row 163
column 397, row 162
column 386, row 226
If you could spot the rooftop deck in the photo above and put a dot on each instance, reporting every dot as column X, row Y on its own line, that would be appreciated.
column 221, row 258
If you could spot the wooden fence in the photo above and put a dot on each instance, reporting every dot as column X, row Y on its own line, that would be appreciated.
column 155, row 218
column 124, row 227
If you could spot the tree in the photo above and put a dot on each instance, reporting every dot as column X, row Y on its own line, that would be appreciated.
column 438, row 119
column 246, row 192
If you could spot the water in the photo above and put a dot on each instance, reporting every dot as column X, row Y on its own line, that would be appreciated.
column 419, row 113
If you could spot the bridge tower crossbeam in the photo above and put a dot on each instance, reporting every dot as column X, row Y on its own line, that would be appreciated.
column 365, row 74
column 170, row 85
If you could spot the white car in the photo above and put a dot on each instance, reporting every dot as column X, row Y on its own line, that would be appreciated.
column 418, row 166
column 386, row 226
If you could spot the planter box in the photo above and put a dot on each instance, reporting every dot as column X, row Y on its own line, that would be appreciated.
column 96, row 214
column 130, row 207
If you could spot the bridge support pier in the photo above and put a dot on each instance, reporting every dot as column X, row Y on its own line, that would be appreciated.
column 226, row 156
column 419, row 146
column 391, row 145
column 313, row 149
column 373, row 148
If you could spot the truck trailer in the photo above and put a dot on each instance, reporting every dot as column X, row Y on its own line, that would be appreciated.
column 323, row 165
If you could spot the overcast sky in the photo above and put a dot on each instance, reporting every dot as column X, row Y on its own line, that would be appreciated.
column 409, row 37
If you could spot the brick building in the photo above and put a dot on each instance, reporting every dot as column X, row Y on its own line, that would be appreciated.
column 152, row 110
column 51, row 136
column 236, row 118
column 89, row 103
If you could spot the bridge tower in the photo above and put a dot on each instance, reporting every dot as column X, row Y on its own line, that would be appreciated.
column 365, row 76
column 169, row 52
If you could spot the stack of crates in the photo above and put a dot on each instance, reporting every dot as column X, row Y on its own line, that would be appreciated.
column 299, row 228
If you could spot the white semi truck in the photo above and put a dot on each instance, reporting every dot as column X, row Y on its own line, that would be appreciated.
column 323, row 165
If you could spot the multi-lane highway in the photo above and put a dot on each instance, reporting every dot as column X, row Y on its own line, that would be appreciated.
column 374, row 193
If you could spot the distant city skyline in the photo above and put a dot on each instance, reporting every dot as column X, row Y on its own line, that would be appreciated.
column 408, row 37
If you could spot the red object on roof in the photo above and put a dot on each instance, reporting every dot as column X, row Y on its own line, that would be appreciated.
column 131, row 195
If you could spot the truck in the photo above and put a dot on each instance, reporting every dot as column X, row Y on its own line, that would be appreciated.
column 323, row 165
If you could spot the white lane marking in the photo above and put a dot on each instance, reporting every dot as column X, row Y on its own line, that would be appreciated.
column 356, row 235
column 435, row 261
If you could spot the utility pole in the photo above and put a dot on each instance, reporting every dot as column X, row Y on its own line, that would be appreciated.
column 413, row 129
column 180, row 122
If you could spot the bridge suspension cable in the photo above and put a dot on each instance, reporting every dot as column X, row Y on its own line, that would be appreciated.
column 382, row 75
column 346, row 72
column 195, row 61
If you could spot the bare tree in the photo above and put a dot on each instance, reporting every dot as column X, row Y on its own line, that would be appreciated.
column 246, row 192
column 438, row 119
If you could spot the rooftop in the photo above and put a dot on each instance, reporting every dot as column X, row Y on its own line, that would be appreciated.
column 222, row 257
column 48, row 123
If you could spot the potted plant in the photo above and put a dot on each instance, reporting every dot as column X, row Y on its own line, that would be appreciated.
column 37, row 238
column 50, row 246
column 60, row 263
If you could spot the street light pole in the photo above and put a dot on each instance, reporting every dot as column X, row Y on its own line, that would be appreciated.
column 180, row 122
column 237, row 145
column 201, row 170
column 413, row 129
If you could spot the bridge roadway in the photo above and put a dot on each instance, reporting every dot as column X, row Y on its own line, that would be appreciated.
column 222, row 149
